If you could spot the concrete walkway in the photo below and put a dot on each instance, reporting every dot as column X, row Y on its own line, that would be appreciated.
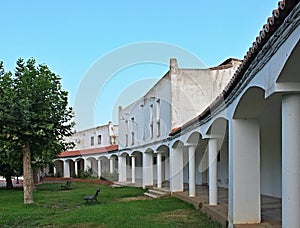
column 270, row 207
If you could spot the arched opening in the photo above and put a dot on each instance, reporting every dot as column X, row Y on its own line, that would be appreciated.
column 136, row 165
column 256, row 157
column 162, row 163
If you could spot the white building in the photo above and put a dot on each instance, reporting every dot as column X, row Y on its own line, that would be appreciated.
column 93, row 149
column 235, row 128
column 144, row 126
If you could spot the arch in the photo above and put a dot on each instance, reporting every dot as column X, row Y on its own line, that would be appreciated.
column 176, row 144
column 194, row 138
column 124, row 154
column 291, row 66
column 149, row 150
column 103, row 156
column 162, row 148
column 115, row 156
column 251, row 103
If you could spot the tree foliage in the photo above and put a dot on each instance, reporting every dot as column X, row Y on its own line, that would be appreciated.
column 34, row 118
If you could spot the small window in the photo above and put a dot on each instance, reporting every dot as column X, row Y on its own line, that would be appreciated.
column 126, row 139
column 151, row 131
column 92, row 141
column 132, row 131
column 99, row 139
column 132, row 138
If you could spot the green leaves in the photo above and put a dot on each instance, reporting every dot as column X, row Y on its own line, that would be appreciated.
column 33, row 108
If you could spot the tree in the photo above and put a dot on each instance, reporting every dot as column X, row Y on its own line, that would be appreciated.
column 38, row 118
column 9, row 159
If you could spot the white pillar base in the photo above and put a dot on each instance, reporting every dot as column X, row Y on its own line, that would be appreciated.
column 133, row 170
column 159, row 170
column 213, row 171
column 192, row 172
column 99, row 168
column 244, row 172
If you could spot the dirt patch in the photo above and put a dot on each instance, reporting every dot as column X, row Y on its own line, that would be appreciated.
column 133, row 198
column 182, row 216
column 95, row 181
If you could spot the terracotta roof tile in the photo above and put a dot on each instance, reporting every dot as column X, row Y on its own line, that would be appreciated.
column 73, row 153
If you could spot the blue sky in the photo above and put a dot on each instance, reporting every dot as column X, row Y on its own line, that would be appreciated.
column 72, row 36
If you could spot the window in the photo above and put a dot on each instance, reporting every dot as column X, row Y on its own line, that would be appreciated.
column 151, row 131
column 132, row 131
column 99, row 139
column 92, row 141
column 126, row 139
column 126, row 132
column 151, row 121
column 132, row 138
column 158, row 117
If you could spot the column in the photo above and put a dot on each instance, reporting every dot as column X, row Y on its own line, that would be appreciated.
column 87, row 164
column 147, row 169
column 54, row 170
column 133, row 169
column 213, row 171
column 290, row 160
column 192, row 171
column 111, row 165
column 66, row 169
column 244, row 172
column 99, row 168
column 159, row 170
column 122, row 169
column 76, row 168
column 176, row 169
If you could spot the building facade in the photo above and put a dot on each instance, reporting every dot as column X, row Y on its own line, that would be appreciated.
column 94, row 150
column 235, row 126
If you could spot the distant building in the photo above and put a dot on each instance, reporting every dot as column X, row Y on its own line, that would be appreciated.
column 92, row 149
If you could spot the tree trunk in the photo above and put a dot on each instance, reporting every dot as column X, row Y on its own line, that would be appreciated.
column 9, row 184
column 27, row 174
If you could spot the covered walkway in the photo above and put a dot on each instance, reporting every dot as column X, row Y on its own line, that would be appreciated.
column 270, row 207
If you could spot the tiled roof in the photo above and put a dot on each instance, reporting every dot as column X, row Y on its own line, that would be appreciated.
column 73, row 153
column 273, row 23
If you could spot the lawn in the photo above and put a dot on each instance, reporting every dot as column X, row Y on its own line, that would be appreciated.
column 116, row 208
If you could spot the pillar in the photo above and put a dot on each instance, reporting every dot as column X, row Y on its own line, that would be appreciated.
column 111, row 165
column 213, row 171
column 76, row 168
column 99, row 168
column 54, row 170
column 87, row 164
column 192, row 171
column 147, row 169
column 244, row 172
column 133, row 169
column 122, row 169
column 176, row 169
column 290, row 160
column 66, row 169
column 159, row 170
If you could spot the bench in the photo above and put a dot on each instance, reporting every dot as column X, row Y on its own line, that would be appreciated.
column 67, row 186
column 92, row 197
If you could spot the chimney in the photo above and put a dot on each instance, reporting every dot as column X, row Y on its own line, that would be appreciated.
column 173, row 66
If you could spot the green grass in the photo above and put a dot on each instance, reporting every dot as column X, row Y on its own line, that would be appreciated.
column 56, row 208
